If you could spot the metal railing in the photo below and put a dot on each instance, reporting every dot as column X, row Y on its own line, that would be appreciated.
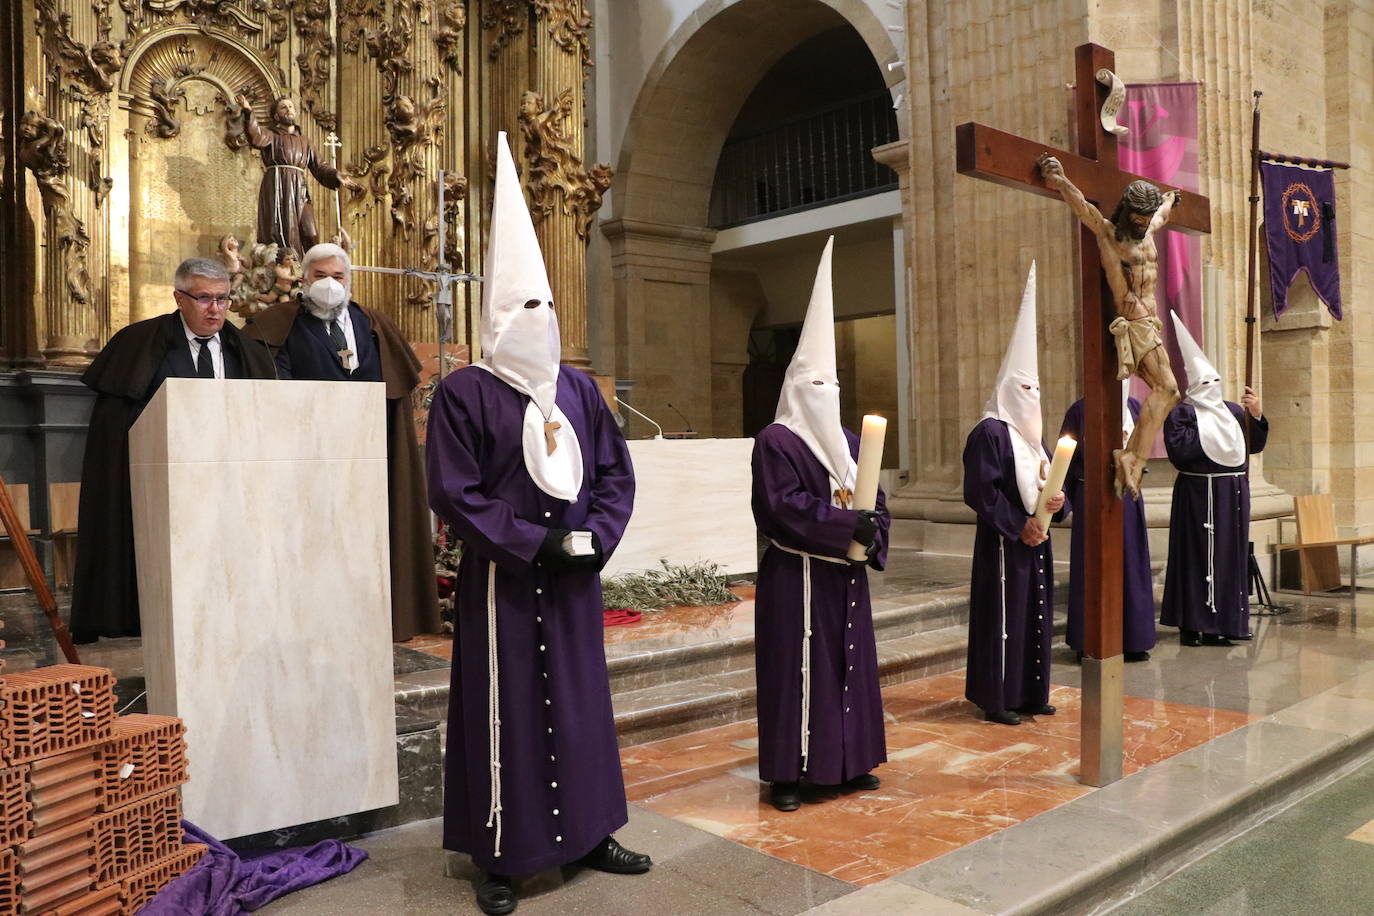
column 822, row 158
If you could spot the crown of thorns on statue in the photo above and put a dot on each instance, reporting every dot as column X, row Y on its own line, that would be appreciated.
column 1139, row 197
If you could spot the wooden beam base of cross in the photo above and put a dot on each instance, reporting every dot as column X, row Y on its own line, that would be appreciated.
column 1009, row 160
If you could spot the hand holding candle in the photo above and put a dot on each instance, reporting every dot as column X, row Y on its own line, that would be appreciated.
column 1059, row 469
column 866, row 477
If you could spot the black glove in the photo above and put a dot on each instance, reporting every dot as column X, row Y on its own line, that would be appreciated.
column 866, row 528
column 551, row 554
column 555, row 559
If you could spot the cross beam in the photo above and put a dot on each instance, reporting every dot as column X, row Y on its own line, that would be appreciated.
column 1006, row 159
column 1012, row 161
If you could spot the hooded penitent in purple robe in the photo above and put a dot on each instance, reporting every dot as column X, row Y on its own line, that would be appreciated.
column 559, row 783
column 1137, row 599
column 521, row 450
column 1207, row 584
column 1011, row 597
column 793, row 508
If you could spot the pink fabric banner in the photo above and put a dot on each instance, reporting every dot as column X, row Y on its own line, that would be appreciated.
column 1162, row 145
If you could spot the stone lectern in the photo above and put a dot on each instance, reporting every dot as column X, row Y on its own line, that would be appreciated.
column 260, row 526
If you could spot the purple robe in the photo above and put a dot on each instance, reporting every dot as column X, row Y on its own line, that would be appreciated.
column 561, row 787
column 1186, row 595
column 792, row 507
column 1009, row 626
column 1137, row 596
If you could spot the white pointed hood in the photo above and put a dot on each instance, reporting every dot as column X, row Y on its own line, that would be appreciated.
column 519, row 333
column 810, row 401
column 1223, row 440
column 1015, row 400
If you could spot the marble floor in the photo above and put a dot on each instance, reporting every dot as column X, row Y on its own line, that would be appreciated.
column 962, row 801
column 950, row 779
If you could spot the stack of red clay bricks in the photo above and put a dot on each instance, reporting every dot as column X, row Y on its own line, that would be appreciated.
column 90, row 810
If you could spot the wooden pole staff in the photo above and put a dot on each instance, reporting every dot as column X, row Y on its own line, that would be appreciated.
column 1303, row 160
column 19, row 537
column 1254, row 254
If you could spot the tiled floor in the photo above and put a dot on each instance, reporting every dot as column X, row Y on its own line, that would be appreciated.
column 950, row 779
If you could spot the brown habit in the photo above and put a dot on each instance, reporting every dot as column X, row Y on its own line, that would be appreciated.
column 285, row 215
column 414, row 599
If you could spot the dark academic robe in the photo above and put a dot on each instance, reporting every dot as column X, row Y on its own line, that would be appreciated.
column 1138, row 599
column 561, row 787
column 1186, row 594
column 792, row 507
column 1009, row 626
column 302, row 349
column 125, row 376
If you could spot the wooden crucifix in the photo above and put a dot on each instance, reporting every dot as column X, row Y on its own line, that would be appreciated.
column 1006, row 159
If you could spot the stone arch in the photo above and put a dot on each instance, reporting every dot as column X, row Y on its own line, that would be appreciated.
column 697, row 84
column 666, row 323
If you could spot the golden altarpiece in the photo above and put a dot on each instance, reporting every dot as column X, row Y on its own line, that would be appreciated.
column 123, row 151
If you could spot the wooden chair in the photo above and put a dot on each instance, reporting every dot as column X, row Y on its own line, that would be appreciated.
column 63, row 500
column 11, row 570
column 1317, row 545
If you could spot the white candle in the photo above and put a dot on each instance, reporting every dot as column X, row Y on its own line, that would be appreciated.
column 1059, row 469
column 866, row 477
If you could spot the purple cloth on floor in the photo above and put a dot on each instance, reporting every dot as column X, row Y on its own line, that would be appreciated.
column 223, row 883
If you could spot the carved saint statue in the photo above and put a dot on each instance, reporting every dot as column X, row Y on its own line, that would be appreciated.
column 1126, row 243
column 285, row 216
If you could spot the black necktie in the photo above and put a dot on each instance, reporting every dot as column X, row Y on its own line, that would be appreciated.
column 336, row 335
column 205, row 367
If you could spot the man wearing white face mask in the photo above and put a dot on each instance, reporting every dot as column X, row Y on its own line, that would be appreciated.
column 816, row 664
column 325, row 336
column 1207, row 584
column 1011, row 599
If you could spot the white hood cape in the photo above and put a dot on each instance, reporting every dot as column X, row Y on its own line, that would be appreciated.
column 810, row 401
column 1015, row 400
column 1223, row 439
column 519, row 334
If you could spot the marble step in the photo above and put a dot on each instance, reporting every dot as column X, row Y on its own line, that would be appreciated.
column 691, row 665
column 638, row 664
column 650, row 713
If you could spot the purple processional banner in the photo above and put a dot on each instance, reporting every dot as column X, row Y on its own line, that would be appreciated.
column 1161, row 144
column 1300, row 232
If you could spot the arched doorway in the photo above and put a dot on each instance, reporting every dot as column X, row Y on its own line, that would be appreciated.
column 685, row 306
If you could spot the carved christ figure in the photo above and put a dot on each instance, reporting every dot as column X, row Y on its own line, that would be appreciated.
column 1126, row 243
column 285, row 215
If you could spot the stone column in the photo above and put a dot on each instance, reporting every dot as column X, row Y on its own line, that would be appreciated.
column 662, row 277
column 560, row 51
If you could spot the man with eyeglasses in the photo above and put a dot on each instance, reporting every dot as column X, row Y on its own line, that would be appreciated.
column 323, row 335
column 195, row 341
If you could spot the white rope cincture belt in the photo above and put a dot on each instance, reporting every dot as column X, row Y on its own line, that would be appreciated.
column 1002, row 577
column 1211, row 527
column 493, row 710
column 806, row 641
column 296, row 167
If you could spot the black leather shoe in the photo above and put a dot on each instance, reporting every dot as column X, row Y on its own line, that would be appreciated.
column 495, row 896
column 865, row 783
column 1136, row 656
column 1189, row 638
column 785, row 796
column 1037, row 709
column 1246, row 638
column 1002, row 717
column 610, row 856
column 1213, row 639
